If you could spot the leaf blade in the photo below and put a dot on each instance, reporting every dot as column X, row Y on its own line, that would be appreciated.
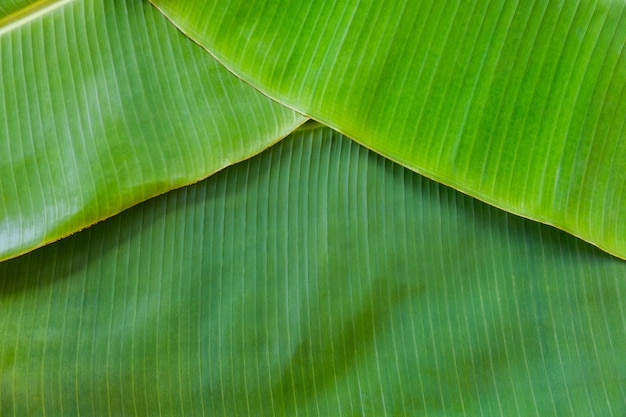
column 105, row 105
column 245, row 294
column 519, row 104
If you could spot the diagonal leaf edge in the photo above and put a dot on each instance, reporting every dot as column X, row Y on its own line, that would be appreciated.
column 579, row 46
column 127, row 108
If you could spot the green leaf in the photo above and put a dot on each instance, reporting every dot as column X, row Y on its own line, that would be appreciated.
column 316, row 278
column 520, row 104
column 104, row 104
column 13, row 10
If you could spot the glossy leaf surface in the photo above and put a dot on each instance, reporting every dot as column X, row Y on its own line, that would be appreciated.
column 314, row 279
column 104, row 104
column 519, row 103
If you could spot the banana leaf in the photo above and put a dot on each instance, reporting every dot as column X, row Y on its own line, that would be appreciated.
column 521, row 104
column 317, row 278
column 104, row 104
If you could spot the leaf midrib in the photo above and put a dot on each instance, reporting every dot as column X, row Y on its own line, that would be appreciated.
column 29, row 13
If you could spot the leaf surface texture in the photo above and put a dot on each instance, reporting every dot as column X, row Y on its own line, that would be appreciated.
column 104, row 104
column 316, row 278
column 521, row 104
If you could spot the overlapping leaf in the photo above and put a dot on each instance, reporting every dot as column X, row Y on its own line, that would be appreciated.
column 519, row 103
column 104, row 104
column 315, row 279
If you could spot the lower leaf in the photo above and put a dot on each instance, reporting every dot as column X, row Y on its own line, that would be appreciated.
column 314, row 279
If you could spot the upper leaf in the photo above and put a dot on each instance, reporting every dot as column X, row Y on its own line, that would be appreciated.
column 521, row 104
column 104, row 104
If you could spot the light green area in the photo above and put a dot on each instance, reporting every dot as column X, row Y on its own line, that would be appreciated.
column 519, row 103
column 316, row 278
column 104, row 104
